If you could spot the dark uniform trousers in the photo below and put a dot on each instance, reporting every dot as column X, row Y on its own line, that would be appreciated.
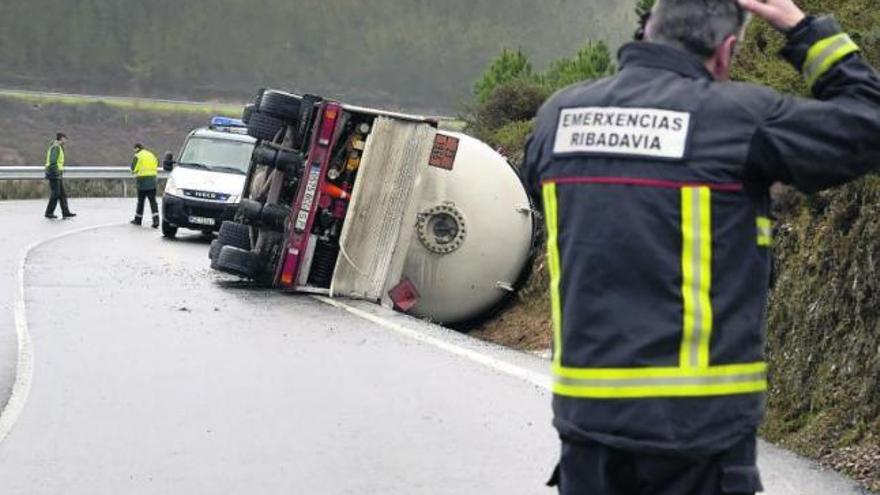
column 57, row 195
column 589, row 468
column 149, row 194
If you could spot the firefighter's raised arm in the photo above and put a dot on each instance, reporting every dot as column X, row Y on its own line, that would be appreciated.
column 832, row 139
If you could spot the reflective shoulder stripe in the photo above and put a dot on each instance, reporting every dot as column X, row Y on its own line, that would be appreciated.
column 825, row 53
column 765, row 232
column 696, row 268
column 551, row 215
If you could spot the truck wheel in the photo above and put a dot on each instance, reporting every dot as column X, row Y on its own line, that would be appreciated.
column 246, row 113
column 240, row 262
column 281, row 105
column 264, row 126
column 168, row 231
column 214, row 253
column 215, row 249
column 289, row 161
column 250, row 210
column 274, row 217
column 234, row 234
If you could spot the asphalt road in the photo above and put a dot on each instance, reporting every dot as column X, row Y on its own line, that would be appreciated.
column 153, row 375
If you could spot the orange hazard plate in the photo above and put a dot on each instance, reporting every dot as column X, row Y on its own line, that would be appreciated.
column 444, row 152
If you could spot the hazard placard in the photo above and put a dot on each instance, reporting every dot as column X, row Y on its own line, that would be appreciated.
column 444, row 152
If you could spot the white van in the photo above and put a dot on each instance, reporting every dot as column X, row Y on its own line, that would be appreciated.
column 207, row 179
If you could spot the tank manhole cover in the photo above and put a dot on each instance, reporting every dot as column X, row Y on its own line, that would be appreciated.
column 442, row 229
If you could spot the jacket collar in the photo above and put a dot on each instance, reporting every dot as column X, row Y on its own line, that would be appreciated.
column 657, row 56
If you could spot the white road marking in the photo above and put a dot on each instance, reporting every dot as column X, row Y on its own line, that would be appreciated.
column 24, row 371
column 537, row 379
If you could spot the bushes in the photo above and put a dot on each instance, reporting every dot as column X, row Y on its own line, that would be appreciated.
column 508, row 95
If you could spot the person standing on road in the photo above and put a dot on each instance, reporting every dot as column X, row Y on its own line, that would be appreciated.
column 655, row 188
column 145, row 167
column 54, row 173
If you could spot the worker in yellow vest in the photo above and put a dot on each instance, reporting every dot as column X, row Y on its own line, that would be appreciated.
column 54, row 173
column 145, row 167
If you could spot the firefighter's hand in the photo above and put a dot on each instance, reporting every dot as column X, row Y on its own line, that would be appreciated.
column 784, row 15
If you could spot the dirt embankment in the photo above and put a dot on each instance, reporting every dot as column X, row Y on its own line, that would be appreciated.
column 99, row 134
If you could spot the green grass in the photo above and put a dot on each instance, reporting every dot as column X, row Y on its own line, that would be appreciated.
column 125, row 103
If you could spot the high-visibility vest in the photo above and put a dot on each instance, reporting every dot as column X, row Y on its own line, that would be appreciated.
column 147, row 164
column 60, row 162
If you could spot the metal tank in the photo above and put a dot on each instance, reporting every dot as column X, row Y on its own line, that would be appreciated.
column 474, row 234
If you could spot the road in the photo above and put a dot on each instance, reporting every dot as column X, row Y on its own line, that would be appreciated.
column 152, row 374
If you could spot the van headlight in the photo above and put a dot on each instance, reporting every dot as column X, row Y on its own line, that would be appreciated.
column 233, row 199
column 171, row 189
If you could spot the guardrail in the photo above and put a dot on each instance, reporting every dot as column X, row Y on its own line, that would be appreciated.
column 70, row 172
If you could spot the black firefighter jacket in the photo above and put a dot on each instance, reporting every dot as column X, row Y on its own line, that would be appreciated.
column 655, row 188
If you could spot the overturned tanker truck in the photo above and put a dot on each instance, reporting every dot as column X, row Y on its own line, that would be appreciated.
column 358, row 203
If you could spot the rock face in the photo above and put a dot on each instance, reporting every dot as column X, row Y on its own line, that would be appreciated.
column 824, row 324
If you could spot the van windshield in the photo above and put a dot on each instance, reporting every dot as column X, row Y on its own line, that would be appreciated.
column 217, row 154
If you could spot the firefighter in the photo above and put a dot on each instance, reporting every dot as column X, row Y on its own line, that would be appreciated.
column 54, row 174
column 655, row 189
column 145, row 166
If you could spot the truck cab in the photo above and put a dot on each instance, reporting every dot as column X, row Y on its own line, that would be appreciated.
column 353, row 202
column 206, row 181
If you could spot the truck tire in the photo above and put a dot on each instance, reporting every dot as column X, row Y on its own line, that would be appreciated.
column 239, row 262
column 214, row 253
column 274, row 217
column 246, row 113
column 216, row 246
column 250, row 211
column 263, row 126
column 281, row 105
column 168, row 231
column 289, row 161
column 234, row 234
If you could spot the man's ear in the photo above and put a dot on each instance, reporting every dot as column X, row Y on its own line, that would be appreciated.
column 722, row 61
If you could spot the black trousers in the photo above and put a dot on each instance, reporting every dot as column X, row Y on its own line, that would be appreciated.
column 57, row 195
column 154, row 208
column 587, row 468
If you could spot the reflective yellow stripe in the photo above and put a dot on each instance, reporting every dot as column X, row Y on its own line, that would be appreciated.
column 824, row 54
column 645, row 392
column 659, row 372
column 661, row 382
column 765, row 232
column 696, row 267
column 551, row 214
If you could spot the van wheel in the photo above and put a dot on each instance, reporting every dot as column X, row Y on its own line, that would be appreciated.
column 280, row 104
column 263, row 126
column 240, row 262
column 233, row 234
column 250, row 211
column 168, row 231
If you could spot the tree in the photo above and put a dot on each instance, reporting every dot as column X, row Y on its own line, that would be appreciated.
column 508, row 67
column 592, row 61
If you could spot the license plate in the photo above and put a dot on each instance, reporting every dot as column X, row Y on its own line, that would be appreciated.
column 202, row 221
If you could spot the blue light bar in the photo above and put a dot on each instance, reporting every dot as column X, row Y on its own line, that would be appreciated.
column 226, row 122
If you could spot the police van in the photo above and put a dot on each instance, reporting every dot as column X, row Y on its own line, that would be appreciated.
column 207, row 179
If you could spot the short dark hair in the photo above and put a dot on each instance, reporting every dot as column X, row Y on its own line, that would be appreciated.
column 138, row 146
column 60, row 135
column 696, row 26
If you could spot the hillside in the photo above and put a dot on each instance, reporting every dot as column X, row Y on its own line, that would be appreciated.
column 419, row 55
